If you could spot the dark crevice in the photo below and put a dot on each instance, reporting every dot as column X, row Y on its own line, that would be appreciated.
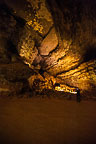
column 48, row 32
column 39, row 34
column 12, row 48
column 54, row 50
column 10, row 12
column 20, row 20
column 90, row 54
column 52, row 65
column 61, row 58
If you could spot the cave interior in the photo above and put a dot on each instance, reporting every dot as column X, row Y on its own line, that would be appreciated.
column 48, row 47
column 47, row 71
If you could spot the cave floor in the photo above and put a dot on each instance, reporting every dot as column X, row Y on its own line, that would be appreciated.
column 47, row 121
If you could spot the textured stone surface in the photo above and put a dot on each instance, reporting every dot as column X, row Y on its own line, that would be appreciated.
column 54, row 37
column 49, row 43
column 38, row 83
column 27, row 49
column 42, row 15
column 34, row 13
column 77, row 43
column 84, row 76
column 27, row 43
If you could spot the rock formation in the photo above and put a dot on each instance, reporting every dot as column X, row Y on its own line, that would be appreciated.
column 56, row 39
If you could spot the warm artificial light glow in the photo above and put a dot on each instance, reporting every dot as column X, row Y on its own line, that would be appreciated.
column 66, row 89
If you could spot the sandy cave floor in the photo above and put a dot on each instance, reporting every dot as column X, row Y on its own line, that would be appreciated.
column 47, row 121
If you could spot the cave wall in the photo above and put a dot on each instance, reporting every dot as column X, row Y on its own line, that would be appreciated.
column 53, row 36
column 75, row 22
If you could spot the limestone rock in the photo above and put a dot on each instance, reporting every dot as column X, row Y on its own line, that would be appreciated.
column 75, row 26
column 39, row 83
column 26, row 48
column 57, row 55
column 69, row 54
column 43, row 16
column 84, row 76
column 49, row 43
column 36, row 83
column 37, row 60
column 64, row 64
column 35, row 14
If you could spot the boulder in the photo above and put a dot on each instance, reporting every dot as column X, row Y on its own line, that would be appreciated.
column 49, row 43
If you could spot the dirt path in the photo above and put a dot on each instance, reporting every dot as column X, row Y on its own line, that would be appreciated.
column 47, row 121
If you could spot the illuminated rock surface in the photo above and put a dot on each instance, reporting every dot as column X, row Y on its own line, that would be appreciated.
column 26, row 47
column 49, row 43
column 57, row 39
